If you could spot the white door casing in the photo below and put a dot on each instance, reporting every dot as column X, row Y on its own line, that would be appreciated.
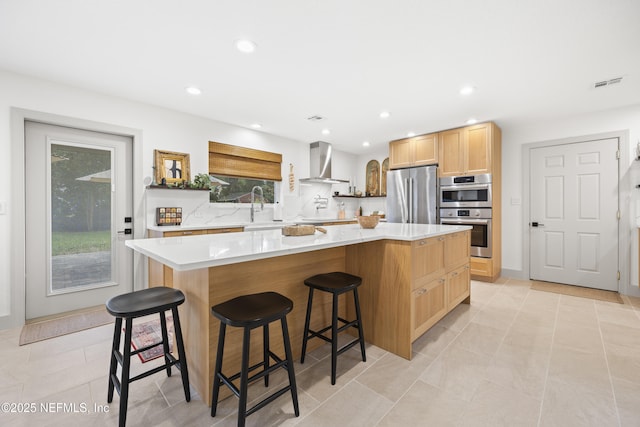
column 574, row 214
column 41, row 300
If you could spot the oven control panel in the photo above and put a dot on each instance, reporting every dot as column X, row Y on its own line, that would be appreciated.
column 466, row 213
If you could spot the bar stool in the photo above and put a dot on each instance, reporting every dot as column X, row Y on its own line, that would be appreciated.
column 250, row 312
column 336, row 283
column 128, row 307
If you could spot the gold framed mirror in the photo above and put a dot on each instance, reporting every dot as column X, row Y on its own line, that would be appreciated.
column 172, row 166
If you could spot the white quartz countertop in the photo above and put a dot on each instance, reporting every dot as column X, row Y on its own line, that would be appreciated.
column 210, row 250
column 266, row 224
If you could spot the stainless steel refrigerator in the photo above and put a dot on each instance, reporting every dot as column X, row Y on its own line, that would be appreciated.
column 411, row 195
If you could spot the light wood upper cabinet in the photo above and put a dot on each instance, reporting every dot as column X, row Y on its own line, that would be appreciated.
column 451, row 152
column 415, row 151
column 469, row 150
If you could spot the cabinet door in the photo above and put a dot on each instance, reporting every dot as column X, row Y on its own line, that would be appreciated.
column 427, row 260
column 428, row 305
column 451, row 153
column 478, row 149
column 457, row 249
column 425, row 149
column 400, row 153
column 458, row 286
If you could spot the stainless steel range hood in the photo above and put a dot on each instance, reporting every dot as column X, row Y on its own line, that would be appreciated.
column 320, row 166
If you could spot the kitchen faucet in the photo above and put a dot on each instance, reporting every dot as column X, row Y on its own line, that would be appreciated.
column 253, row 195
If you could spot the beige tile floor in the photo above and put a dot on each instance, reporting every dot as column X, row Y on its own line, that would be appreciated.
column 513, row 357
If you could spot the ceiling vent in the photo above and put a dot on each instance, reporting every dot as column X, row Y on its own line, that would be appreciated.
column 315, row 118
column 610, row 82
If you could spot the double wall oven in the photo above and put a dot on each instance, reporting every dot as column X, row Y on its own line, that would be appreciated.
column 466, row 200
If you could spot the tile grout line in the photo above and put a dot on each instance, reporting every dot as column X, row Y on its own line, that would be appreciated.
column 606, row 359
column 546, row 375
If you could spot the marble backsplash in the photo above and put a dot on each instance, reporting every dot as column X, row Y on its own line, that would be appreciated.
column 295, row 205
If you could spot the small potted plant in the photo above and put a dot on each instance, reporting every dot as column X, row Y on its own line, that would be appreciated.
column 202, row 180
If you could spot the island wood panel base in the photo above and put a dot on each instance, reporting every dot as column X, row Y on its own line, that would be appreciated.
column 385, row 268
column 396, row 311
column 284, row 275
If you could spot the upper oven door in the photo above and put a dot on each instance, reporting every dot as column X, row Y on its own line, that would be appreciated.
column 465, row 196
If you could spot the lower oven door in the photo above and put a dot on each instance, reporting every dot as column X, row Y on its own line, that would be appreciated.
column 480, row 234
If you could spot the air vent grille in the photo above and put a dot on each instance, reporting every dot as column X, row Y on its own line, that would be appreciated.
column 609, row 82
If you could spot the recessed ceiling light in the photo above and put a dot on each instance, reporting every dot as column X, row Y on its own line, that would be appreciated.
column 472, row 121
column 385, row 115
column 256, row 125
column 326, row 131
column 246, row 46
column 410, row 134
column 365, row 144
column 467, row 90
column 192, row 90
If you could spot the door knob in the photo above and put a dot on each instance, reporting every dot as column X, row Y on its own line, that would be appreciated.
column 536, row 224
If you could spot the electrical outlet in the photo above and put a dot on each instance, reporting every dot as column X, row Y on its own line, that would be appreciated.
column 3, row 207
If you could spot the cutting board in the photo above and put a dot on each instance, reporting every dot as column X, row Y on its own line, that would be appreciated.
column 301, row 230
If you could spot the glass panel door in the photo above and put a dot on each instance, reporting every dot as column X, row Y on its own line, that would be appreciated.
column 81, row 213
column 78, row 207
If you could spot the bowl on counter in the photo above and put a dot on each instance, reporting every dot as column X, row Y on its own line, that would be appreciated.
column 368, row 221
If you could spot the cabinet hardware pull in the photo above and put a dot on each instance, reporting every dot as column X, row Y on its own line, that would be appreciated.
column 454, row 274
column 422, row 242
column 422, row 291
column 184, row 233
column 440, row 239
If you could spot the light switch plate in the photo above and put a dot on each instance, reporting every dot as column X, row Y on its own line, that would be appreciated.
column 3, row 207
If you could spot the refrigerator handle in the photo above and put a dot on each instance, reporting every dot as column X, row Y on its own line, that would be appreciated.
column 411, row 200
column 407, row 200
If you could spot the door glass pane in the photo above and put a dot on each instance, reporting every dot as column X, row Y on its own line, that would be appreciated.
column 80, row 217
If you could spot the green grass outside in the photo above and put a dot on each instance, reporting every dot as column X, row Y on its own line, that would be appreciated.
column 64, row 243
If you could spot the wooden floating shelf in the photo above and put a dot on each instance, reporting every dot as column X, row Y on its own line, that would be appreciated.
column 165, row 187
column 356, row 197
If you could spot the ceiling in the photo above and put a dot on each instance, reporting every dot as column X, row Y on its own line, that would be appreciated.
column 343, row 60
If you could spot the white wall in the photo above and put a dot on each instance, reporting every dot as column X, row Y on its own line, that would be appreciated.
column 513, row 228
column 161, row 129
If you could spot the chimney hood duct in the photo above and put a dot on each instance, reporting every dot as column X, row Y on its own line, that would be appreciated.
column 320, row 166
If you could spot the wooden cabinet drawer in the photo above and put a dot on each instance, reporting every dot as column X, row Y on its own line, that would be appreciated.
column 427, row 260
column 428, row 305
column 457, row 286
column 457, row 248
column 184, row 233
column 481, row 267
column 225, row 230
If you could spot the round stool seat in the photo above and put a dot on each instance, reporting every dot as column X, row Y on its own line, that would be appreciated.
column 146, row 301
column 335, row 282
column 253, row 310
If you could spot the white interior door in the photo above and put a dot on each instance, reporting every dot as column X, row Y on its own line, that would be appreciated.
column 574, row 214
column 78, row 192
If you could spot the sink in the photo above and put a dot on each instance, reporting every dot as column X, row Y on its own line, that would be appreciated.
column 319, row 219
column 264, row 226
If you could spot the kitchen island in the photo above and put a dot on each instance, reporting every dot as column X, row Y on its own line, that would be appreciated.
column 413, row 274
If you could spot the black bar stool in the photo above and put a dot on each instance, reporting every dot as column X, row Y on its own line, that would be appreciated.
column 336, row 283
column 250, row 312
column 137, row 304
